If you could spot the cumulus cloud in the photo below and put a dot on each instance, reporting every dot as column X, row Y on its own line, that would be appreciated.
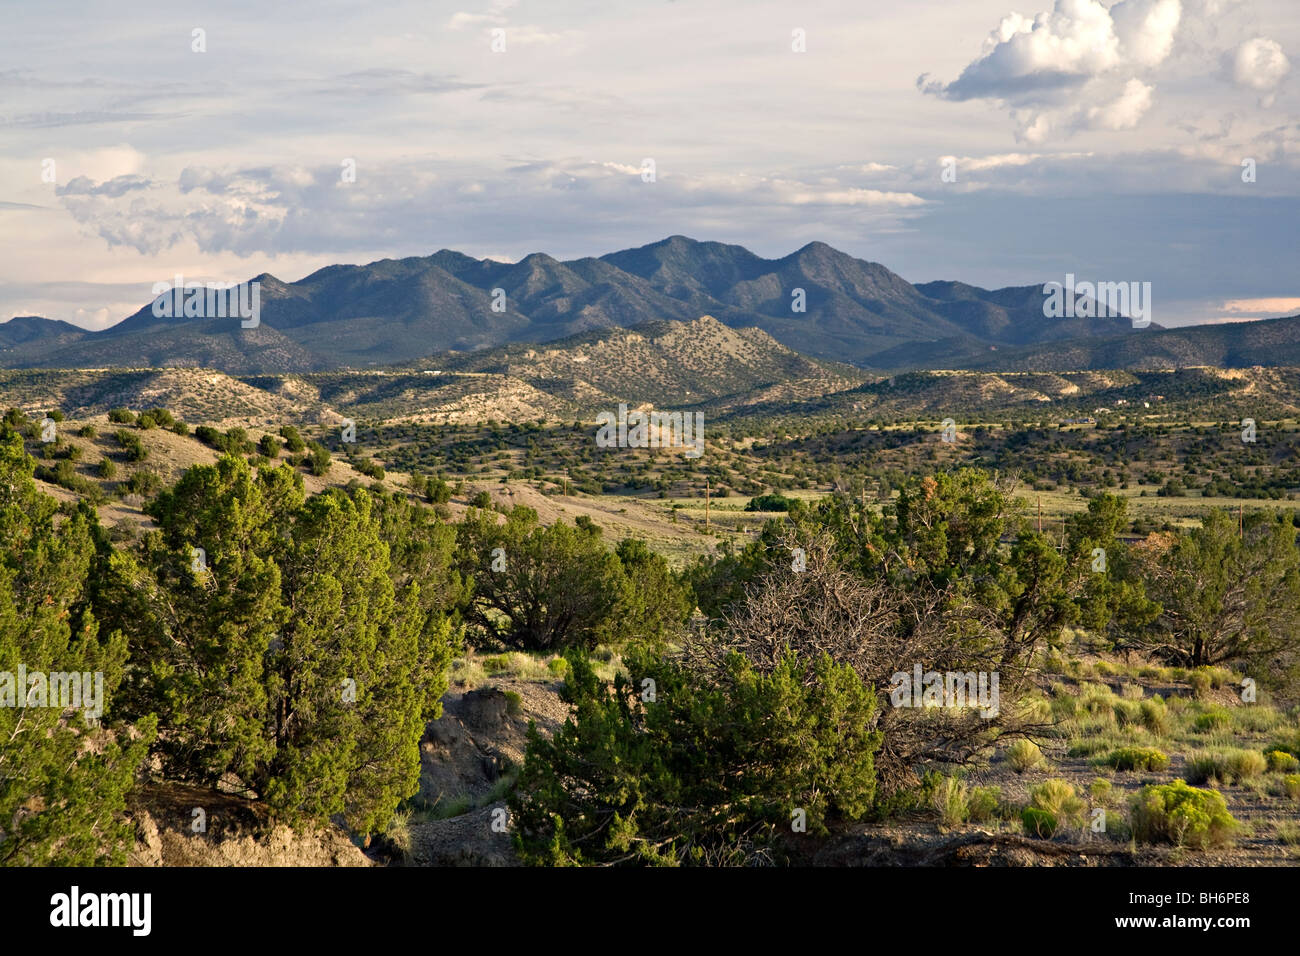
column 1259, row 64
column 1125, row 111
column 1058, row 72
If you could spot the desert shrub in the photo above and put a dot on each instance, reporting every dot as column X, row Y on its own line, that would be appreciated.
column 211, row 437
column 144, row 483
column 268, row 446
column 1216, row 718
column 130, row 443
column 1128, row 713
column 481, row 499
column 772, row 502
column 87, row 431
column 106, row 468
column 1155, row 716
column 951, row 798
column 1039, row 823
column 713, row 771
column 558, row 666
column 1281, row 762
column 437, row 491
column 1024, row 755
column 1291, row 783
column 1227, row 766
column 984, row 804
column 1182, row 815
column 318, row 459
column 121, row 416
column 180, row 428
column 1059, row 798
column 1200, row 681
column 1102, row 791
column 1137, row 758
column 514, row 703
column 292, row 440
column 237, row 442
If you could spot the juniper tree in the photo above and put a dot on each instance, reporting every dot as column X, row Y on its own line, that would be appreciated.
column 710, row 769
column 63, row 780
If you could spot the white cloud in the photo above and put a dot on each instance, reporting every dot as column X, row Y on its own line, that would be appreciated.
column 1260, row 65
column 1124, row 112
column 1058, row 71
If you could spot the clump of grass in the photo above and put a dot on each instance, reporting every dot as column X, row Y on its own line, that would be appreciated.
column 1096, row 698
column 558, row 666
column 1287, row 832
column 1182, row 815
column 1226, row 766
column 398, row 833
column 1147, row 759
column 1200, row 681
column 984, row 804
column 1024, row 755
column 1155, row 716
column 514, row 703
column 1131, row 692
column 951, row 798
column 1089, row 746
column 1212, row 720
column 1102, row 791
column 467, row 672
column 1051, row 804
column 1059, row 798
column 1260, row 718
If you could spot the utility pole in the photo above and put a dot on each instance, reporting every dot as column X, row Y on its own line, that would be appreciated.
column 706, row 502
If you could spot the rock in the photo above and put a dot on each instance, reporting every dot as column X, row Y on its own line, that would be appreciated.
column 484, row 709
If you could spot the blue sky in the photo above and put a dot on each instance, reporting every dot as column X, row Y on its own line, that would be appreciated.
column 1104, row 139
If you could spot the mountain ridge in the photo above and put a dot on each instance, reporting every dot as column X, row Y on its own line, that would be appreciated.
column 399, row 310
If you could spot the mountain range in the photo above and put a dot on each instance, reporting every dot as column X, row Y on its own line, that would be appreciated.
column 857, row 312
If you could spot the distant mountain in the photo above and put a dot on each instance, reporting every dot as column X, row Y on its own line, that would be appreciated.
column 33, row 330
column 393, row 311
column 1267, row 342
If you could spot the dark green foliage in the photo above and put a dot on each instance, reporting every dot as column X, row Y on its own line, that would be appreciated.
column 269, row 446
column 299, row 656
column 1229, row 596
column 130, row 442
column 292, row 440
column 121, row 416
column 772, row 502
column 63, row 783
column 711, row 771
column 1136, row 758
column 318, row 459
column 553, row 587
column 437, row 491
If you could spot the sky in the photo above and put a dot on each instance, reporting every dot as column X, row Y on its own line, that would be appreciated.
column 1146, row 140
